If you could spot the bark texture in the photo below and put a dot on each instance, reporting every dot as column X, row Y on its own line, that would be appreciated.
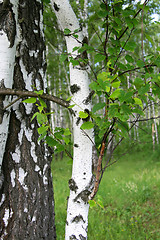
column 81, row 182
column 8, row 18
column 26, row 196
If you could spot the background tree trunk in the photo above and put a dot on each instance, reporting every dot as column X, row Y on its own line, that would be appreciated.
column 26, row 205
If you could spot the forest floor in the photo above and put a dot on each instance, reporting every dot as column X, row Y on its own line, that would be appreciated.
column 127, row 206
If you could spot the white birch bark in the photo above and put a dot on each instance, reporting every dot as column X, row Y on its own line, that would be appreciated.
column 7, row 60
column 155, row 123
column 77, row 212
column 26, row 196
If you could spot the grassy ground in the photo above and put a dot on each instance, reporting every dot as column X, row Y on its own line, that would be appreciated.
column 128, row 202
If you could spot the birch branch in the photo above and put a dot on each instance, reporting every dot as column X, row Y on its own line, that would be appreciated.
column 22, row 94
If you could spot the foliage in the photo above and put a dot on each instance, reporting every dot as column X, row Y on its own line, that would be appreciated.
column 123, row 57
column 57, row 139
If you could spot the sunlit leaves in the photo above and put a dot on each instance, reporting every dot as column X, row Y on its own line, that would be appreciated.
column 83, row 114
column 115, row 94
column 138, row 102
column 30, row 100
column 87, row 125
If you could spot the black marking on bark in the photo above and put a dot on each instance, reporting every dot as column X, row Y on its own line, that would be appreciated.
column 82, row 237
column 77, row 219
column 88, row 99
column 78, row 121
column 56, row 7
column 67, row 223
column 87, row 118
column 74, row 88
column 76, row 145
column 18, row 75
column 7, row 22
column 73, row 237
column 1, row 101
column 72, row 185
column 84, row 173
column 1, row 179
column 83, row 195
column 82, row 58
column 87, row 191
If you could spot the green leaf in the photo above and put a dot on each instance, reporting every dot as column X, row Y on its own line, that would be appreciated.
column 83, row 114
column 74, row 62
column 144, row 89
column 116, row 84
column 30, row 100
column 71, row 106
column 75, row 49
column 41, row 118
column 69, row 98
column 138, row 102
column 87, row 125
column 59, row 148
column 157, row 62
column 115, row 94
column 75, row 35
column 102, row 13
column 66, row 140
column 103, row 76
column 138, row 82
column 58, row 135
column 125, row 108
column 128, row 12
column 99, row 58
column 51, row 141
column 42, row 136
column 39, row 92
column 67, row 31
column 149, row 39
column 140, row 63
column 95, row 86
column 67, row 132
column 43, row 104
column 42, row 129
column 129, row 58
column 98, row 106
column 63, row 57
column 130, row 46
column 34, row 116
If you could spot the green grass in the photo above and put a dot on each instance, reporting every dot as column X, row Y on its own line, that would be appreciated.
column 128, row 201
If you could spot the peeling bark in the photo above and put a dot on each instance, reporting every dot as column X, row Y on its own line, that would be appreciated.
column 26, row 196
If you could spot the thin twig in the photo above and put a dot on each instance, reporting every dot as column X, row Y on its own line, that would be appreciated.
column 11, row 103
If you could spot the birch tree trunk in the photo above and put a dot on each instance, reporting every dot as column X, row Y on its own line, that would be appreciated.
column 26, row 195
column 80, row 183
column 8, row 18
